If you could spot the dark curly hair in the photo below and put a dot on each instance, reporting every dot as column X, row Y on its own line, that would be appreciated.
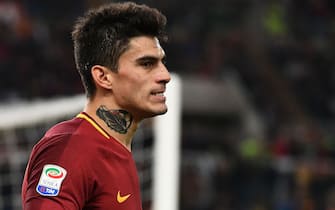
column 103, row 34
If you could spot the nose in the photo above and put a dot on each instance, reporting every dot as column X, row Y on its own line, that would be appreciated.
column 164, row 74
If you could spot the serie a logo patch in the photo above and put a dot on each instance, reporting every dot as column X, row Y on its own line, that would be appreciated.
column 51, row 180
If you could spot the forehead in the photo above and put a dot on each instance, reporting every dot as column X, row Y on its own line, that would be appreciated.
column 144, row 46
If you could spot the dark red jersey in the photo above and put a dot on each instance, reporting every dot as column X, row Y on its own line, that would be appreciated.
column 77, row 165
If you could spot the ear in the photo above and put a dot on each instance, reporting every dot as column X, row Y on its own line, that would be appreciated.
column 102, row 76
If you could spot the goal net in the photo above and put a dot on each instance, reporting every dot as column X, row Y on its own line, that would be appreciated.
column 155, row 146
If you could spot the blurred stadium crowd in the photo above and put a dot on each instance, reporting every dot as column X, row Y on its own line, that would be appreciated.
column 281, row 50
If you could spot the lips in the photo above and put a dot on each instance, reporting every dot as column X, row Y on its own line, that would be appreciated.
column 158, row 94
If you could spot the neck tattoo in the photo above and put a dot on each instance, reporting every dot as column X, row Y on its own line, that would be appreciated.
column 118, row 120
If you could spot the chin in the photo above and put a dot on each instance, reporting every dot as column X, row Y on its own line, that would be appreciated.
column 154, row 113
column 162, row 112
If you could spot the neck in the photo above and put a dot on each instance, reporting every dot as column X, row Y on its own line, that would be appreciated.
column 117, row 122
column 116, row 119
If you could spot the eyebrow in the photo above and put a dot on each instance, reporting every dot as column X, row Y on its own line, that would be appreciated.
column 150, row 58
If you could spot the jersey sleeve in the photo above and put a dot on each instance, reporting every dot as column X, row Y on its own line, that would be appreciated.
column 57, row 177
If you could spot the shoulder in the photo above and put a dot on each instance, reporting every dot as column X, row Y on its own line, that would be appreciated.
column 63, row 146
column 76, row 130
column 65, row 140
column 64, row 128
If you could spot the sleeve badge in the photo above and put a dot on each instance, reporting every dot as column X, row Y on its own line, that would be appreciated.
column 51, row 180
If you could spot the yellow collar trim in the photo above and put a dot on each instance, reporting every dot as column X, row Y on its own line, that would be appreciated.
column 94, row 124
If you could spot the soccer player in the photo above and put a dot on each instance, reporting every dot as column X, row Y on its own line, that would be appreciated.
column 86, row 162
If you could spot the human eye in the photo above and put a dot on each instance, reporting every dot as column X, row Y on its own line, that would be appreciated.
column 148, row 62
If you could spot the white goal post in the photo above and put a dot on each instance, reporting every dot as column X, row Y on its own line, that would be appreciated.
column 26, row 114
column 167, row 131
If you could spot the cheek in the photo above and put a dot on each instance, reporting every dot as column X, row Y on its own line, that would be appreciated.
column 141, row 93
column 134, row 92
column 133, row 88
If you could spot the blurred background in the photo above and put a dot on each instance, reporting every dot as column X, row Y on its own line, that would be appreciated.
column 258, row 109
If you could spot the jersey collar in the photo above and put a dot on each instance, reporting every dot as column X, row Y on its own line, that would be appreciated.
column 85, row 116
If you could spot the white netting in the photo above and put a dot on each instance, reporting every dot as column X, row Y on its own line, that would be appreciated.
column 16, row 144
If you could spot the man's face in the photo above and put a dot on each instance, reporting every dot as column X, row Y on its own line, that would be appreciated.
column 141, row 80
